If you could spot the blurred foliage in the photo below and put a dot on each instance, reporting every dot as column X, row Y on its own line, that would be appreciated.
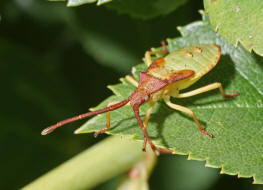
column 72, row 3
column 49, row 72
column 145, row 9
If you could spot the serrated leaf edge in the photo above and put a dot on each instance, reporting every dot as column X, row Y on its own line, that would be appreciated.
column 217, row 29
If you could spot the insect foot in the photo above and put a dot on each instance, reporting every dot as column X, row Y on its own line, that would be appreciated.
column 96, row 134
column 206, row 133
column 231, row 95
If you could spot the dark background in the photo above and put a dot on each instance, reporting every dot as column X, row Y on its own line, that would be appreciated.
column 55, row 62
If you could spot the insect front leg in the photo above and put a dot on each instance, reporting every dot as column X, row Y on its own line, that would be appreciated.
column 148, row 54
column 108, row 121
column 131, row 80
column 205, row 89
column 105, row 128
column 148, row 113
column 156, row 150
column 190, row 112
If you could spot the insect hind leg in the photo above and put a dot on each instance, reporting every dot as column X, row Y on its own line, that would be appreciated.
column 156, row 150
column 147, row 56
column 190, row 112
column 206, row 88
column 146, row 136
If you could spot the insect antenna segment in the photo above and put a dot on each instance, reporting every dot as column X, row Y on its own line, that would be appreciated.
column 82, row 116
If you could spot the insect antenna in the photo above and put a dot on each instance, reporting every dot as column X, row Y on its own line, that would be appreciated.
column 82, row 116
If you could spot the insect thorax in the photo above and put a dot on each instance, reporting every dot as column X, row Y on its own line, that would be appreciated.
column 170, row 90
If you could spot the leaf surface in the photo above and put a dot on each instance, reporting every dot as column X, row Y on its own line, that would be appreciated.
column 238, row 21
column 73, row 3
column 236, row 124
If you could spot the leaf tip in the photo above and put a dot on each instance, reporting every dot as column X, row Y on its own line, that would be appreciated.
column 179, row 28
column 122, row 80
column 101, row 2
column 190, row 157
column 256, row 181
column 208, row 165
column 202, row 12
column 133, row 70
column 110, row 87
column 70, row 4
column 77, row 131
column 222, row 171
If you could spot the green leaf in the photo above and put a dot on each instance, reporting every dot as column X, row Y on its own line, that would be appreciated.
column 73, row 3
column 238, row 21
column 143, row 168
column 136, row 8
column 145, row 9
column 236, row 124
column 56, row 0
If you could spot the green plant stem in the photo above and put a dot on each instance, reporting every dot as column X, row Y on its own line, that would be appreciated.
column 106, row 159
column 137, row 177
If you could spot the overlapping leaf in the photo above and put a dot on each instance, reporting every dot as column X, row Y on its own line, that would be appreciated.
column 135, row 8
column 236, row 124
column 238, row 21
column 73, row 3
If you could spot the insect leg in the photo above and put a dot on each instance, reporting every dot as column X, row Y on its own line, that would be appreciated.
column 148, row 54
column 131, row 80
column 108, row 121
column 146, row 136
column 190, row 112
column 105, row 128
column 207, row 88
column 156, row 150
column 148, row 113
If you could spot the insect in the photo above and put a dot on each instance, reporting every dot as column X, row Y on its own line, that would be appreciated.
column 164, row 77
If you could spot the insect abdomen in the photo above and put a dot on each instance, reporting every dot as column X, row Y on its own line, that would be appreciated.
column 200, row 58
